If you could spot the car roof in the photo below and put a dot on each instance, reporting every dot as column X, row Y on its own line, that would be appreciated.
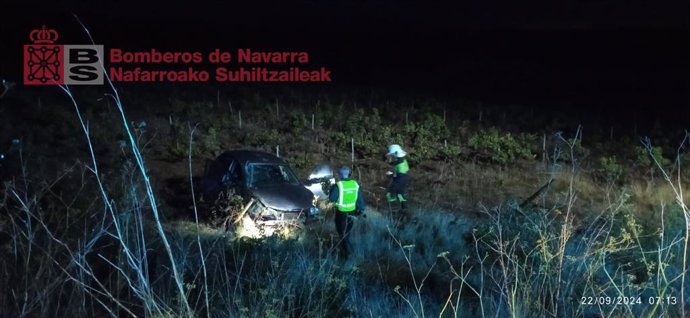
column 250, row 156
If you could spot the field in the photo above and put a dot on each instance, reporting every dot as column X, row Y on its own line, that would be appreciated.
column 515, row 211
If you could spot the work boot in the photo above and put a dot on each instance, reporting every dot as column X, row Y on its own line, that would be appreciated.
column 403, row 202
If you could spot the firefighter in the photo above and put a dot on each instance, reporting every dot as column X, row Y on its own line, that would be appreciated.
column 399, row 178
column 349, row 203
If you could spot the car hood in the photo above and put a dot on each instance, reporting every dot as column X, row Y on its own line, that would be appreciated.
column 285, row 197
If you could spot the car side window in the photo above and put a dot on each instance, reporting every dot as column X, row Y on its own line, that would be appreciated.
column 232, row 174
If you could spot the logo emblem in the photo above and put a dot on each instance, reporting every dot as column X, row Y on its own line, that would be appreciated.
column 48, row 63
column 43, row 60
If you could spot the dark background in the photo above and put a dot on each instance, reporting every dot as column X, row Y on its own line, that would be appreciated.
column 625, row 58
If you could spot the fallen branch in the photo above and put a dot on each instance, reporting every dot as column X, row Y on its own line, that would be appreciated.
column 537, row 194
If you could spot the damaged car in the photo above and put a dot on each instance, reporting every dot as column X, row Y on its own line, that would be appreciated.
column 273, row 195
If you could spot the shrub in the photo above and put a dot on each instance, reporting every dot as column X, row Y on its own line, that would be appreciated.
column 225, row 208
column 612, row 170
column 569, row 150
column 390, row 135
column 646, row 160
column 426, row 136
column 205, row 142
column 365, row 130
column 302, row 161
column 210, row 140
column 450, row 152
column 262, row 137
column 299, row 122
column 501, row 148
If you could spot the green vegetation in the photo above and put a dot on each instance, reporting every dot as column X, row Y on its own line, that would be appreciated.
column 611, row 168
column 501, row 148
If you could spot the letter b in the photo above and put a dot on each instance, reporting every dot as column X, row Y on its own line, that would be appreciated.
column 83, row 56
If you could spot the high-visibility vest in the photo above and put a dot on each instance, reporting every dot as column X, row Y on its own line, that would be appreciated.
column 347, row 195
column 402, row 167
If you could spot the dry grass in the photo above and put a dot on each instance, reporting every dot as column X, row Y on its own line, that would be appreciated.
column 431, row 261
column 465, row 249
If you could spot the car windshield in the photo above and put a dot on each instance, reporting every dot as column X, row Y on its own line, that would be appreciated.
column 262, row 174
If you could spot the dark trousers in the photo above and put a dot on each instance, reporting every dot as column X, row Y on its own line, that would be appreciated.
column 343, row 224
column 397, row 189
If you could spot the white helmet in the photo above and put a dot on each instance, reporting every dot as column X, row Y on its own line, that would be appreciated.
column 396, row 150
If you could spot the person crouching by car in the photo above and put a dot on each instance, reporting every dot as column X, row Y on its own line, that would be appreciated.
column 349, row 203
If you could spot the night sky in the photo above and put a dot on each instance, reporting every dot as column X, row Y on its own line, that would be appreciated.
column 629, row 56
